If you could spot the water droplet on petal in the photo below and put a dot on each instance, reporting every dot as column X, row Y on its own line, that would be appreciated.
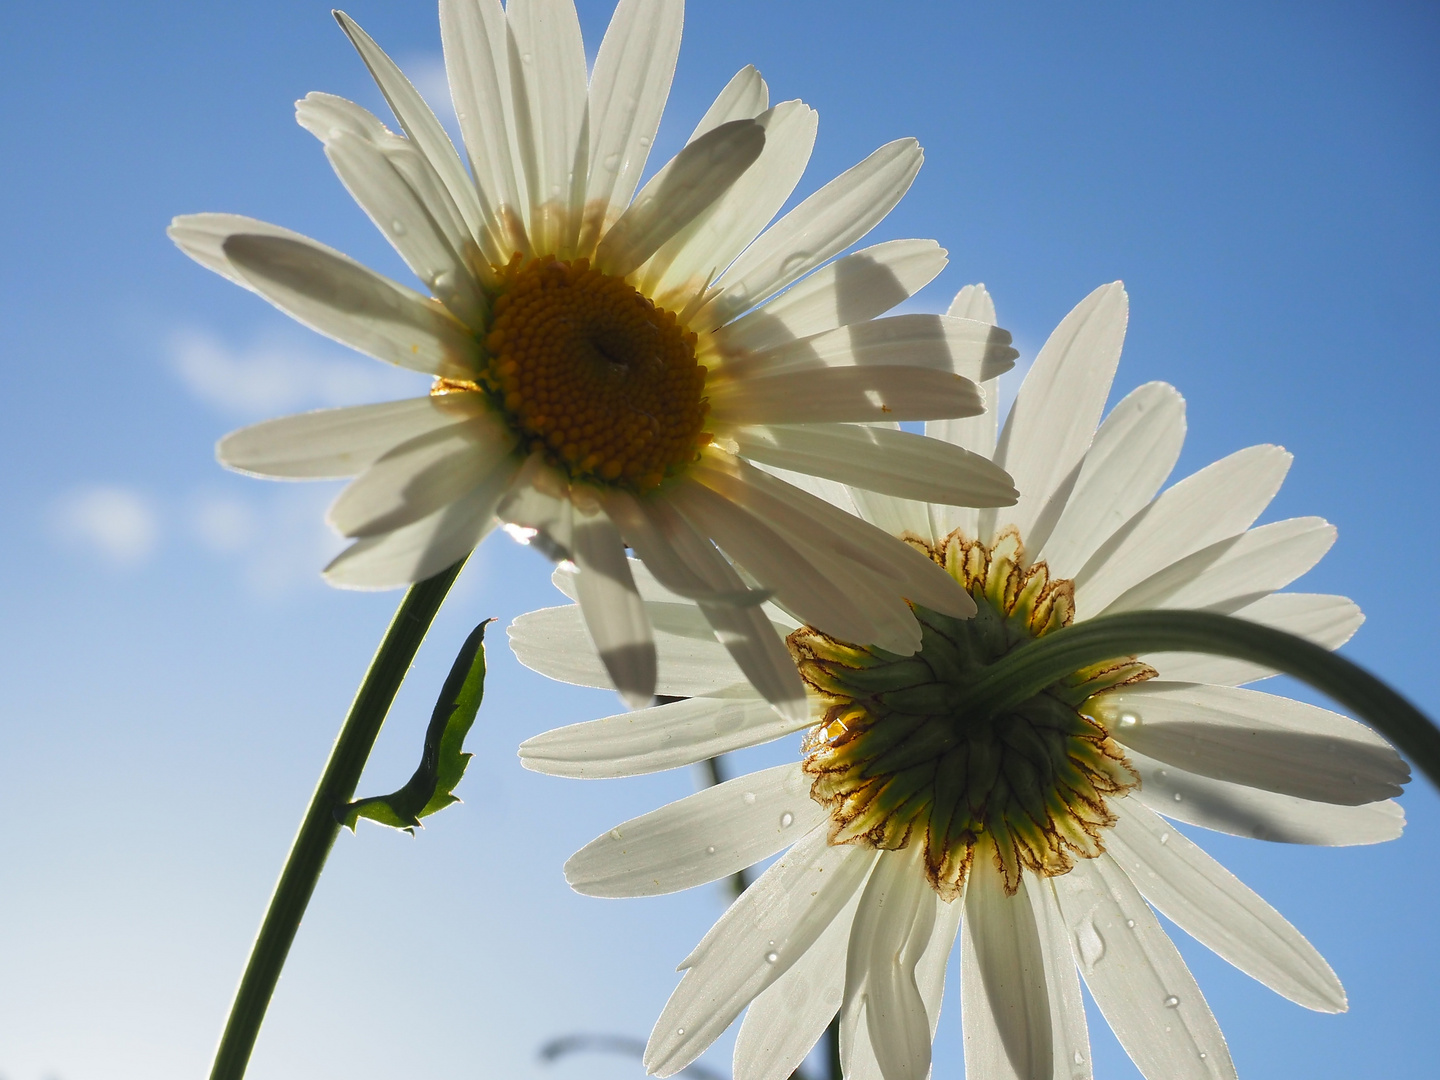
column 795, row 262
column 1203, row 1055
column 1079, row 1058
column 1130, row 923
column 749, row 798
column 614, row 834
column 1092, row 945
column 679, row 1031
column 1164, row 838
column 710, row 850
column 1172, row 1002
column 1128, row 720
column 611, row 162
column 397, row 227
column 644, row 140
column 787, row 819
column 1179, row 797
column 771, row 957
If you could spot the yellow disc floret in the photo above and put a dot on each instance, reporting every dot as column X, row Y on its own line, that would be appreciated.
column 594, row 375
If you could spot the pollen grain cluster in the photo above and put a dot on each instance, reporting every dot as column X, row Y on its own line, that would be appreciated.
column 595, row 375
column 899, row 757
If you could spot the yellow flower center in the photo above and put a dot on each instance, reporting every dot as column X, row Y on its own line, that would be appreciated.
column 594, row 375
column 898, row 758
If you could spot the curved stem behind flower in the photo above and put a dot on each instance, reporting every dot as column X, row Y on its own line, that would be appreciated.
column 321, row 825
column 1032, row 667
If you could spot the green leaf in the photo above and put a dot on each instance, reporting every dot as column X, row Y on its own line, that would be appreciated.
column 443, row 761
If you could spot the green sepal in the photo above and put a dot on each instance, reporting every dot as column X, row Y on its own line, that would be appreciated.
column 442, row 761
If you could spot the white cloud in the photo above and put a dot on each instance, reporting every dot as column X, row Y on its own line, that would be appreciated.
column 273, row 376
column 117, row 523
column 224, row 525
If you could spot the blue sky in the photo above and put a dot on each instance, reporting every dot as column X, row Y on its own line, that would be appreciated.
column 1263, row 177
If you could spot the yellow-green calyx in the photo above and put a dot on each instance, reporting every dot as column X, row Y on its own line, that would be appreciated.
column 899, row 759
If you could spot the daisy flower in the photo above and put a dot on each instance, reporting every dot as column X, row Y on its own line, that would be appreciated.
column 1045, row 825
column 606, row 368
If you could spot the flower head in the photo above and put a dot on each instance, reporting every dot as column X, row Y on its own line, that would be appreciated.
column 606, row 368
column 1042, row 821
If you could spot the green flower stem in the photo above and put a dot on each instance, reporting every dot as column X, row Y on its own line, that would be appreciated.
column 321, row 825
column 1032, row 667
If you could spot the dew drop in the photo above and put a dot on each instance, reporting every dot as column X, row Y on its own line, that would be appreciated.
column 611, row 162
column 1128, row 720
column 1130, row 923
column 1172, row 1002
column 787, row 819
column 1179, row 797
column 644, row 140
column 795, row 262
column 397, row 227
column 1203, row 1055
column 710, row 850
column 1079, row 1058
column 771, row 957
column 615, row 834
column 528, row 58
column 749, row 798
column 1164, row 838
column 1092, row 945
column 679, row 1031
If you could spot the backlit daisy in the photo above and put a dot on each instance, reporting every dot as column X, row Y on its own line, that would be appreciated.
column 606, row 368
column 1043, row 824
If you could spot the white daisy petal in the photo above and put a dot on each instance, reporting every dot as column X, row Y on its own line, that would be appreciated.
column 985, row 1053
column 1325, row 620
column 783, row 1024
column 555, row 642
column 825, row 224
column 665, row 737
column 1236, row 571
column 551, row 516
column 628, row 89
column 892, row 928
column 331, row 443
column 1219, row 501
column 676, row 195
column 755, row 942
column 1137, row 977
column 896, row 516
column 898, row 463
column 424, row 548
column 692, row 258
column 421, row 475
column 974, row 433
column 690, row 562
column 343, row 300
column 394, row 184
column 846, row 395
column 696, row 840
column 477, row 64
column 1261, row 815
column 1260, row 740
column 418, row 122
column 973, row 349
column 1131, row 457
column 798, row 513
column 1070, row 1035
column 203, row 236
column 774, row 562
column 1059, row 405
column 861, row 286
column 1210, row 904
column 613, row 610
column 548, row 87
column 745, row 97
column 1005, row 998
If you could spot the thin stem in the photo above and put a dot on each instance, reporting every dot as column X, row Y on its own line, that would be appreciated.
column 320, row 825
column 1030, row 668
